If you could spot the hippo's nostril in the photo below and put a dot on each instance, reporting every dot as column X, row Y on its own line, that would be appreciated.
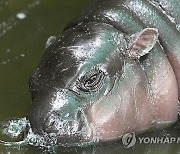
column 51, row 124
column 67, row 128
column 55, row 124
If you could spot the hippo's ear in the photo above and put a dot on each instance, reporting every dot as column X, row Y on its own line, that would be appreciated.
column 142, row 42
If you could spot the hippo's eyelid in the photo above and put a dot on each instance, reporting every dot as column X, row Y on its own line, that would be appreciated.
column 91, row 81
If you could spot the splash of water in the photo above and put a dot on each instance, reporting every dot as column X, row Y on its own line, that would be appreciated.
column 18, row 133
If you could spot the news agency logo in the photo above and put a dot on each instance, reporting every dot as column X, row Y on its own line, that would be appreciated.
column 130, row 139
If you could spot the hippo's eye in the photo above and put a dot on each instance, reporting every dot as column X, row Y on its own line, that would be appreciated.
column 91, row 81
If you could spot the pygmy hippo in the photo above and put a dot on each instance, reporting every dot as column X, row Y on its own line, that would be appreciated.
column 115, row 69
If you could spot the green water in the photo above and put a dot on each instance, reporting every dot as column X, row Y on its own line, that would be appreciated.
column 25, row 26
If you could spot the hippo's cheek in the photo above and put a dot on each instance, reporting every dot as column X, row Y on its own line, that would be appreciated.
column 117, row 116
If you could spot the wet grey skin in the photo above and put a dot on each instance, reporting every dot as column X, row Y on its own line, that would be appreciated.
column 114, row 70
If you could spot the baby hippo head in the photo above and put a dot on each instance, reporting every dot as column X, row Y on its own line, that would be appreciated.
column 87, row 86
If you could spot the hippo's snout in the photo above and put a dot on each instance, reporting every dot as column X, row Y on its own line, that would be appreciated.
column 58, row 116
